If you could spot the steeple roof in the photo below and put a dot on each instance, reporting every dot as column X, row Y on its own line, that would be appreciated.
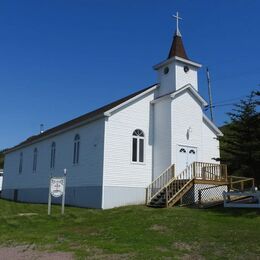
column 177, row 48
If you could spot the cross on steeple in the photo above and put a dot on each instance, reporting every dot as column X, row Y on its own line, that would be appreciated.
column 177, row 23
column 177, row 48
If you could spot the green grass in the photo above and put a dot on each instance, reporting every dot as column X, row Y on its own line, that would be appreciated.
column 135, row 232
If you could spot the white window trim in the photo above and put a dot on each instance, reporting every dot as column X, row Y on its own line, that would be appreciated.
column 196, row 148
column 35, row 159
column 76, row 152
column 138, row 143
column 20, row 169
column 53, row 156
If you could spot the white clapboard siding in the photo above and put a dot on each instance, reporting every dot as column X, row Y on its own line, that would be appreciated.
column 183, row 78
column 186, row 113
column 176, row 78
column 210, row 143
column 87, row 173
column 162, row 136
column 118, row 168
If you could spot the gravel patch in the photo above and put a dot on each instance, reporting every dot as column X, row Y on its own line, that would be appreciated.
column 27, row 253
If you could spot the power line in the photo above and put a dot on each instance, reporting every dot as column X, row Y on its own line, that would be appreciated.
column 231, row 99
column 221, row 105
column 225, row 104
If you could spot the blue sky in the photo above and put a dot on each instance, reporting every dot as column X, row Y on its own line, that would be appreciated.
column 62, row 58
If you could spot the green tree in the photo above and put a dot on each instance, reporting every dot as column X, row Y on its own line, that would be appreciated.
column 240, row 145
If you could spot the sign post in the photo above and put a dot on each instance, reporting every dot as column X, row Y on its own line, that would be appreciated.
column 57, row 189
column 63, row 196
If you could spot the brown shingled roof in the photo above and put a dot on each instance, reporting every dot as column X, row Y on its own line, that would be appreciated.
column 78, row 120
column 177, row 48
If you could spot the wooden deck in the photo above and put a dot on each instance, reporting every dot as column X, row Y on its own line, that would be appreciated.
column 169, row 189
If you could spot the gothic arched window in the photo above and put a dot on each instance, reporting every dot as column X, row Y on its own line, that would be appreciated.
column 35, row 157
column 138, row 146
column 53, row 155
column 76, row 149
column 21, row 163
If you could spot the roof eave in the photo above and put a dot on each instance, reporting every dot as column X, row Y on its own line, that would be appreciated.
column 46, row 135
column 194, row 92
column 176, row 58
column 110, row 111
column 215, row 128
column 40, row 139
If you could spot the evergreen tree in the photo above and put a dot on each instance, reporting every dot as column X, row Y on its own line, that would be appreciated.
column 240, row 146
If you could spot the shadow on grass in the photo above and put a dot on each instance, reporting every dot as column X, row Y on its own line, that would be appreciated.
column 235, row 212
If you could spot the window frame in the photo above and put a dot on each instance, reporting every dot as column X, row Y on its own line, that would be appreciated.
column 35, row 159
column 53, row 156
column 192, row 151
column 138, row 137
column 76, row 150
column 20, row 169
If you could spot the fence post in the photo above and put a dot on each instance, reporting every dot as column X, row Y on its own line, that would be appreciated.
column 166, row 197
column 146, row 196
column 199, row 198
column 242, row 186
column 194, row 170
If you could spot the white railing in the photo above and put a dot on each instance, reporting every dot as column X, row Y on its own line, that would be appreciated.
column 210, row 171
column 173, row 184
column 196, row 170
column 160, row 182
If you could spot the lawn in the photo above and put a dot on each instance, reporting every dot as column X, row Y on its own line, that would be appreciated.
column 134, row 232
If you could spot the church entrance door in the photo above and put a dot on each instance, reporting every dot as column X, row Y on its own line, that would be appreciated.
column 185, row 156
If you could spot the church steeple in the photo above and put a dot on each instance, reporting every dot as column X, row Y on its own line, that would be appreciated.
column 177, row 48
column 177, row 70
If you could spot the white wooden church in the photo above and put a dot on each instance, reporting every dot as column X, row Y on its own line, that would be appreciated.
column 114, row 153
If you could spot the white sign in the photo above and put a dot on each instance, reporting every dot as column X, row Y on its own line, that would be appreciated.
column 57, row 189
column 57, row 186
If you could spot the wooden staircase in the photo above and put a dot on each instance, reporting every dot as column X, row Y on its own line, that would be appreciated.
column 169, row 189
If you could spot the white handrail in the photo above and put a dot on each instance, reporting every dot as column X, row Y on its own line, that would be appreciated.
column 197, row 170
column 160, row 182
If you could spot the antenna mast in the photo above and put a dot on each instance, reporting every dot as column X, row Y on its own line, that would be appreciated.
column 210, row 95
column 41, row 128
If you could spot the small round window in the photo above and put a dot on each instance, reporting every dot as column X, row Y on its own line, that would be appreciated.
column 186, row 69
column 166, row 70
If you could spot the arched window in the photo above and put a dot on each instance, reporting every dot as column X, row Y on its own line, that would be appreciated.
column 35, row 155
column 76, row 149
column 138, row 146
column 21, row 163
column 53, row 154
column 182, row 150
column 192, row 151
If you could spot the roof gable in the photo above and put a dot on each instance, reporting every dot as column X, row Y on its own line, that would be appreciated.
column 90, row 116
column 193, row 91
column 212, row 125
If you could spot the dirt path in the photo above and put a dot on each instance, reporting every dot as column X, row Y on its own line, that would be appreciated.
column 27, row 253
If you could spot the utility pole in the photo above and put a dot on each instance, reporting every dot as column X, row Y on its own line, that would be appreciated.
column 210, row 95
